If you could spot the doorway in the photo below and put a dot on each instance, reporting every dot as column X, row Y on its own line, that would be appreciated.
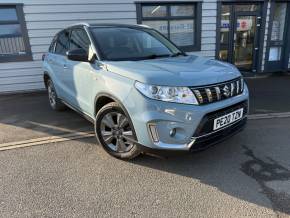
column 278, row 47
column 239, row 35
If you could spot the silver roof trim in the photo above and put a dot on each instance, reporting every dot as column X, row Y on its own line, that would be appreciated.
column 78, row 24
column 143, row 25
column 107, row 24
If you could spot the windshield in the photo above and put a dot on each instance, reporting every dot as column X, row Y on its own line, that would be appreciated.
column 123, row 43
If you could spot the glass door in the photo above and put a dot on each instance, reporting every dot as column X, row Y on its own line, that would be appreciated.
column 239, row 35
column 245, row 42
column 277, row 48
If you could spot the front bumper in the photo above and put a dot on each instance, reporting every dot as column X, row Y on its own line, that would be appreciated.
column 207, row 140
column 187, row 120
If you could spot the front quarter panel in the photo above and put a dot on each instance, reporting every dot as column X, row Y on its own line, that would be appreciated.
column 114, row 85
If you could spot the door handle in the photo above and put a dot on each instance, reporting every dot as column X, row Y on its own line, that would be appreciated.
column 65, row 66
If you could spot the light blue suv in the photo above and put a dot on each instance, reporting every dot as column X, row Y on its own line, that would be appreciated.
column 141, row 91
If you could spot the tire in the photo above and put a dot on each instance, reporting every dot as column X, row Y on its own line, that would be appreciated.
column 115, row 132
column 55, row 103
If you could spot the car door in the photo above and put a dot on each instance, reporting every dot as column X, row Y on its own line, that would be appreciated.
column 80, row 76
column 59, row 64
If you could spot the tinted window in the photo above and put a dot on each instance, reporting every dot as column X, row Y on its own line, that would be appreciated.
column 79, row 39
column 62, row 43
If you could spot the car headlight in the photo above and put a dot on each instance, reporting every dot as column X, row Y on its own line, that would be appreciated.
column 165, row 93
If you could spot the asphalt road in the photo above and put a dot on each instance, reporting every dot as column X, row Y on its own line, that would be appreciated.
column 246, row 176
column 270, row 94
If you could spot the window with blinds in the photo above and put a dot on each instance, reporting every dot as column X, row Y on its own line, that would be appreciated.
column 14, row 43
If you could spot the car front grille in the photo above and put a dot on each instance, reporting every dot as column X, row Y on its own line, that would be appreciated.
column 218, row 92
column 206, row 124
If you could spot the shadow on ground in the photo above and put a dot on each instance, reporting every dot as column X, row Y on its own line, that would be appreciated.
column 27, row 116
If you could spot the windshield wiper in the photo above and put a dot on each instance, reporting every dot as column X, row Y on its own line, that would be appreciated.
column 153, row 56
column 178, row 54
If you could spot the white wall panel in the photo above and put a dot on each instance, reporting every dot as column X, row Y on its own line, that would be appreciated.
column 46, row 17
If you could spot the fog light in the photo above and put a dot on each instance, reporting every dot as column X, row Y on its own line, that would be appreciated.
column 153, row 132
column 172, row 132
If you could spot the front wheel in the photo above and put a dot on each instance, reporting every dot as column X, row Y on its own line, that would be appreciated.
column 115, row 132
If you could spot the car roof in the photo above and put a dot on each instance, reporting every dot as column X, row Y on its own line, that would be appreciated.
column 135, row 26
column 108, row 25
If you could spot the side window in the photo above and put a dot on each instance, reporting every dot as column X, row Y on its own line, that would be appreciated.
column 52, row 45
column 62, row 43
column 79, row 39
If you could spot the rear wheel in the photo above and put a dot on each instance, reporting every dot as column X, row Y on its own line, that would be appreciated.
column 115, row 132
column 54, row 101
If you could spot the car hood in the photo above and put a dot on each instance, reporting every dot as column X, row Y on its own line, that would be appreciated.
column 176, row 71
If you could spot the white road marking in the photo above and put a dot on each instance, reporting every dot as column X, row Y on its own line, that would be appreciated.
column 45, row 140
column 55, row 127
column 268, row 116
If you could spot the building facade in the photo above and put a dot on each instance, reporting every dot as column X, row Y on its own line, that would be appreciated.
column 253, row 35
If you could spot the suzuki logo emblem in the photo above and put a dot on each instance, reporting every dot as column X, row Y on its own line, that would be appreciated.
column 226, row 91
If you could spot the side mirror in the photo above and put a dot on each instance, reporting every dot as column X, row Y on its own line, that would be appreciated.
column 78, row 54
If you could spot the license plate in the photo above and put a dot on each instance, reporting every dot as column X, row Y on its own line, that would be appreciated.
column 228, row 119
